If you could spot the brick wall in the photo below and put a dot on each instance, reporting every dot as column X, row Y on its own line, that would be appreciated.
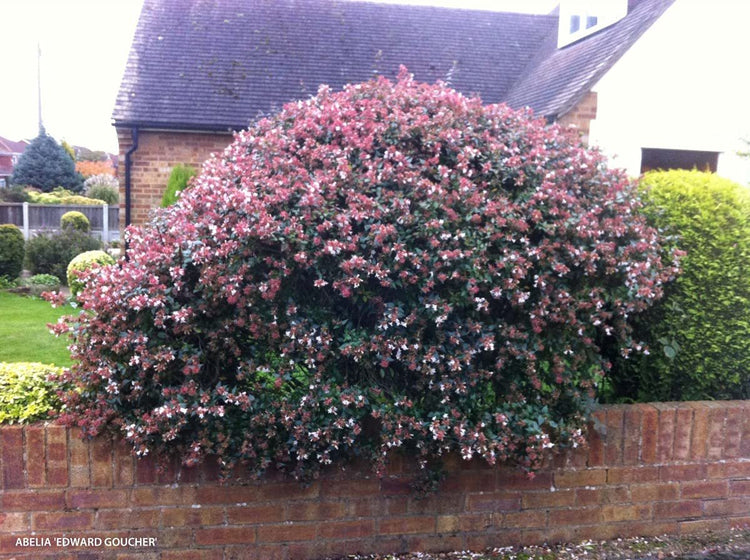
column 157, row 154
column 649, row 469
column 581, row 115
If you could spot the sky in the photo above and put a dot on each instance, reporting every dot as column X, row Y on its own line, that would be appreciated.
column 84, row 46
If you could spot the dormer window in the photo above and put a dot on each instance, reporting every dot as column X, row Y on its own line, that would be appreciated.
column 580, row 18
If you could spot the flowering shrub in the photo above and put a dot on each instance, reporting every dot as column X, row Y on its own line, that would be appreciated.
column 82, row 263
column 390, row 266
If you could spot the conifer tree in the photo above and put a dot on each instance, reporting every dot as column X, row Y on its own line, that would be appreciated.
column 45, row 165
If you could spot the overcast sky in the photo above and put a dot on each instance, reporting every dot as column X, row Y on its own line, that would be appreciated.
column 84, row 46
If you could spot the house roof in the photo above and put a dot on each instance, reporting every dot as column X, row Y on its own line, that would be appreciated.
column 9, row 147
column 219, row 64
column 557, row 78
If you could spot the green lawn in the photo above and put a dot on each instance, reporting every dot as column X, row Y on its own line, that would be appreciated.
column 24, row 336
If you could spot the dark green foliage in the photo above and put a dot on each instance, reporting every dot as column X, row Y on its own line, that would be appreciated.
column 177, row 183
column 699, row 334
column 41, row 283
column 45, row 165
column 11, row 251
column 14, row 193
column 75, row 220
column 51, row 253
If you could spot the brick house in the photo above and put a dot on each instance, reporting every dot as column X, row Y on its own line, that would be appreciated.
column 10, row 151
column 200, row 69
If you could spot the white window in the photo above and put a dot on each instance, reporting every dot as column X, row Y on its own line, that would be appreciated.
column 580, row 18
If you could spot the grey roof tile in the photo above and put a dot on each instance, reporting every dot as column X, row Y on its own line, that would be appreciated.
column 215, row 64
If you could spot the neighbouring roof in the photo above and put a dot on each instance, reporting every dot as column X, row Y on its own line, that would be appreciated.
column 219, row 64
column 9, row 147
column 557, row 78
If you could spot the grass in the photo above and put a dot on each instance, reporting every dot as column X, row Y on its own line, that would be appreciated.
column 24, row 336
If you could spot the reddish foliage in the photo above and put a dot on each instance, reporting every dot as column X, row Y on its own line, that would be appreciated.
column 391, row 265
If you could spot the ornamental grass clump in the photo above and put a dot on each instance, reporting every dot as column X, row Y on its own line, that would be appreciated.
column 392, row 266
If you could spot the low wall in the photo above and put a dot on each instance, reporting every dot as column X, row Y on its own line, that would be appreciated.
column 649, row 469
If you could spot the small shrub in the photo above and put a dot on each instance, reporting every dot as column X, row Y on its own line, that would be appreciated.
column 62, row 196
column 699, row 333
column 26, row 394
column 40, row 283
column 392, row 266
column 103, row 187
column 14, row 193
column 11, row 251
column 75, row 220
column 50, row 253
column 179, row 180
column 82, row 263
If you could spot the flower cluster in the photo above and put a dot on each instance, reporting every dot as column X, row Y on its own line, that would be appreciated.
column 392, row 266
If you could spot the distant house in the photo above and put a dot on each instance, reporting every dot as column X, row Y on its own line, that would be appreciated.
column 10, row 151
column 200, row 69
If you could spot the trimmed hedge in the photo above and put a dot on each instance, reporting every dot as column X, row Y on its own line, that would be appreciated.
column 26, row 394
column 11, row 251
column 699, row 334
column 50, row 253
column 82, row 263
column 75, row 220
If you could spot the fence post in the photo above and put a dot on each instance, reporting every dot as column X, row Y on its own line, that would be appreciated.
column 105, row 223
column 25, row 213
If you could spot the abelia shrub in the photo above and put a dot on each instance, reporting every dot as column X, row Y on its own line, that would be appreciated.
column 392, row 266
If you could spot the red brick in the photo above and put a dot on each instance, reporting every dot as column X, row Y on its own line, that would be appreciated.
column 604, row 495
column 36, row 500
column 396, row 486
column 619, row 475
column 588, row 477
column 256, row 514
column 57, row 444
column 438, row 503
column 347, row 529
column 431, row 543
column 682, row 433
column 192, row 517
column 632, row 435
column 225, row 536
column 733, row 432
column 655, row 492
column 677, row 510
column 350, row 488
column 725, row 508
column 124, row 474
column 509, row 478
column 407, row 525
column 739, row 488
column 11, row 443
column 614, row 440
column 699, row 439
column 207, row 494
column 728, row 469
column 87, row 499
column 558, row 498
column 682, row 473
column 666, row 431
column 745, row 425
column 448, row 523
column 122, row 518
column 80, row 470
column 595, row 445
column 286, row 532
column 525, row 519
column 577, row 516
column 163, row 496
column 35, row 456
column 506, row 501
column 704, row 526
column 305, row 551
column 469, row 481
column 621, row 512
column 14, row 522
column 703, row 489
column 649, row 528
column 470, row 523
column 715, row 441
column 145, row 470
column 649, row 434
column 101, row 462
column 62, row 521
column 192, row 554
